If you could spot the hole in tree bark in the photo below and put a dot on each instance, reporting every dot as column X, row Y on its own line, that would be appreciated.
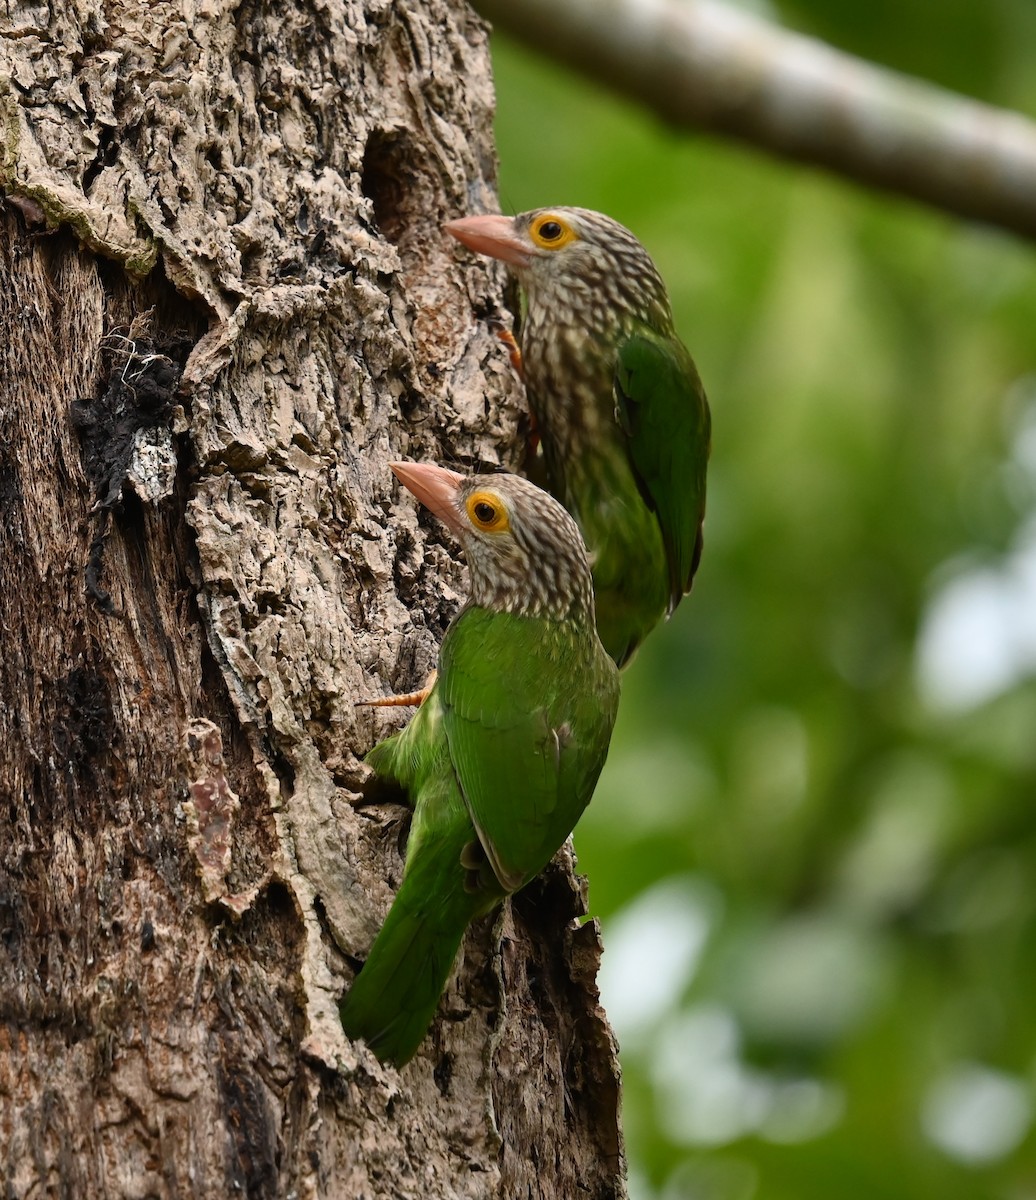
column 397, row 181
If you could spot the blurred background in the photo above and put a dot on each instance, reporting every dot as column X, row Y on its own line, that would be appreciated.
column 814, row 846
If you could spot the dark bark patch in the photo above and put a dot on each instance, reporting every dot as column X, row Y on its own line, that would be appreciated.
column 10, row 483
column 251, row 1168
column 147, row 936
column 443, row 1073
column 138, row 396
column 84, row 724
column 12, row 494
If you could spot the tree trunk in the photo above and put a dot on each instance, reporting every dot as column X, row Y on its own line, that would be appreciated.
column 227, row 305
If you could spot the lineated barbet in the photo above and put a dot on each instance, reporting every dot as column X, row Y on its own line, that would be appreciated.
column 616, row 401
column 503, row 755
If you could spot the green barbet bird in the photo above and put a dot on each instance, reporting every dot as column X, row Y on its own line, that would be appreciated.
column 616, row 401
column 503, row 755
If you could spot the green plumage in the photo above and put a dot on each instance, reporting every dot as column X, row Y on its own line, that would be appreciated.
column 393, row 999
column 499, row 761
column 618, row 404
column 661, row 412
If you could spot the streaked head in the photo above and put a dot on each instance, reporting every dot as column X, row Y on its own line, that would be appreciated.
column 570, row 254
column 525, row 553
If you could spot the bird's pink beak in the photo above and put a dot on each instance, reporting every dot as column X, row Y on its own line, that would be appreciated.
column 436, row 488
column 493, row 236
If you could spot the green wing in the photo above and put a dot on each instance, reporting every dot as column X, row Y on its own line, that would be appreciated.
column 406, row 758
column 661, row 409
column 528, row 707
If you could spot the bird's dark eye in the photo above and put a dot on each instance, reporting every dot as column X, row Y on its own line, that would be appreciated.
column 487, row 512
column 552, row 233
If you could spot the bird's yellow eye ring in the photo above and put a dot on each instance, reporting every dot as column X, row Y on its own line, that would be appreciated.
column 550, row 232
column 487, row 513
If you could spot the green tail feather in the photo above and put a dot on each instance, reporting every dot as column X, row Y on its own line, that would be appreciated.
column 393, row 999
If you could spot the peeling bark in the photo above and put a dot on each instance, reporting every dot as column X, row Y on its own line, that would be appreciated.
column 227, row 305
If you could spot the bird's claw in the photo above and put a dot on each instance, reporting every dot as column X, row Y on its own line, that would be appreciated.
column 402, row 701
column 514, row 351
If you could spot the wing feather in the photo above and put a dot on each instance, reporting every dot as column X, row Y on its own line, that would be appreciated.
column 526, row 731
column 660, row 407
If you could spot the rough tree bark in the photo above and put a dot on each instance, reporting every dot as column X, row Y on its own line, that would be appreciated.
column 226, row 307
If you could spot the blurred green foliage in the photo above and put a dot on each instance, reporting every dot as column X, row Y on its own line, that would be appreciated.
column 814, row 846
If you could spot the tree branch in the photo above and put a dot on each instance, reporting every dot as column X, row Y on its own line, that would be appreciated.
column 705, row 65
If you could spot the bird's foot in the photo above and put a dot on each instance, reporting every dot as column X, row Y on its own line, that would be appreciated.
column 407, row 698
column 514, row 352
